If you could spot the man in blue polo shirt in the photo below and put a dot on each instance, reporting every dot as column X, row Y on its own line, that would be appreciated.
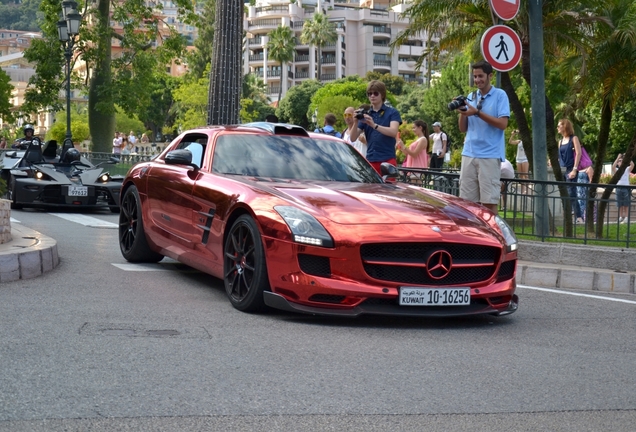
column 380, row 127
column 484, row 119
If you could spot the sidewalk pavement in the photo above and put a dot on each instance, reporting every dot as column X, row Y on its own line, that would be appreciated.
column 29, row 254
column 546, row 265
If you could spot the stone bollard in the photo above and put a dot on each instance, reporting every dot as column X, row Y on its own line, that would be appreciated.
column 5, row 221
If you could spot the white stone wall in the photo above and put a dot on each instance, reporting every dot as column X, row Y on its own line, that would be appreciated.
column 5, row 221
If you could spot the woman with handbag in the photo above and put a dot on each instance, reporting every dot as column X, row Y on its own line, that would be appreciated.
column 569, row 159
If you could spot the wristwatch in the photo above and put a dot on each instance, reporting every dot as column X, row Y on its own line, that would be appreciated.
column 376, row 126
column 478, row 113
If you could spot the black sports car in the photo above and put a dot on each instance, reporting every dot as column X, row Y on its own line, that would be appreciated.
column 38, row 177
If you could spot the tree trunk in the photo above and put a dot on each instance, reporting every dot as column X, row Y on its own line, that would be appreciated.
column 224, row 98
column 520, row 116
column 101, row 122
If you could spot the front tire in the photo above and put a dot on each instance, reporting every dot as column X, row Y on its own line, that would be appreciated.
column 11, row 193
column 132, row 237
column 244, row 266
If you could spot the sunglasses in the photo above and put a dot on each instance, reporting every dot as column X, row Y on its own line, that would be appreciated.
column 348, row 115
column 373, row 93
column 480, row 103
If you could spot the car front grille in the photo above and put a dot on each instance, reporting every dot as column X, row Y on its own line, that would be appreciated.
column 405, row 263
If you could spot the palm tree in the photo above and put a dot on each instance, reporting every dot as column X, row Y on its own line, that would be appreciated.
column 280, row 47
column 613, row 59
column 224, row 97
column 462, row 22
column 254, row 88
column 318, row 32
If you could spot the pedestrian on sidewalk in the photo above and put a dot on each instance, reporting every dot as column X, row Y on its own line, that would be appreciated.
column 622, row 193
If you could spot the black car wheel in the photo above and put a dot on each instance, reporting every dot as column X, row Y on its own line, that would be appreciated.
column 11, row 194
column 132, row 238
column 244, row 266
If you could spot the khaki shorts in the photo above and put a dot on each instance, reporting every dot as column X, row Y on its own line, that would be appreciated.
column 479, row 180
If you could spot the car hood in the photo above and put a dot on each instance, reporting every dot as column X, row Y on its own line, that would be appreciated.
column 359, row 204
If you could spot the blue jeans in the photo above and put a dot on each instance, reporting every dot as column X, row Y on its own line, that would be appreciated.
column 582, row 192
column 573, row 194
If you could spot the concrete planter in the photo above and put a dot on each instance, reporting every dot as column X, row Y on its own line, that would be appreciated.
column 5, row 221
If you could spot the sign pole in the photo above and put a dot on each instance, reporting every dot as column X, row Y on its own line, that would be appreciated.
column 539, row 145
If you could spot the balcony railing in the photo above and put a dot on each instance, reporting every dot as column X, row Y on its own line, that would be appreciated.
column 328, row 76
column 302, row 58
column 255, row 41
column 381, row 29
column 303, row 74
column 328, row 60
column 256, row 57
column 386, row 63
column 264, row 23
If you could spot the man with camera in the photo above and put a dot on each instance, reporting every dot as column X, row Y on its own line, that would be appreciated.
column 483, row 116
column 380, row 126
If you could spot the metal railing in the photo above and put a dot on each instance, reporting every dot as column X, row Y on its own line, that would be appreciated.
column 520, row 198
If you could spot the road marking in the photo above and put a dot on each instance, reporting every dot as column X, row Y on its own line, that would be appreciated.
column 578, row 294
column 142, row 267
column 88, row 221
column 167, row 264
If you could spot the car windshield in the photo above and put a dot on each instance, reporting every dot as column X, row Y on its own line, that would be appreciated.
column 291, row 157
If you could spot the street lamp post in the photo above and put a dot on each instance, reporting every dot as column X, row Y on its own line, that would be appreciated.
column 67, row 29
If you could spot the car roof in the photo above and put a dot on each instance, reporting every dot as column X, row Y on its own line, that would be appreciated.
column 264, row 127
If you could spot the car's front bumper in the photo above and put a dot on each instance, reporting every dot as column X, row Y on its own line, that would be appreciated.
column 477, row 307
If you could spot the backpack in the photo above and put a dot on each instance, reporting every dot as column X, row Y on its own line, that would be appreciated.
column 449, row 142
column 332, row 133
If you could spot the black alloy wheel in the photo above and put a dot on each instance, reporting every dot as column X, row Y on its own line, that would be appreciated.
column 132, row 238
column 244, row 266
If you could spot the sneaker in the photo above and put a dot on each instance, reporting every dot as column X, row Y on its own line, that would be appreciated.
column 580, row 220
column 624, row 221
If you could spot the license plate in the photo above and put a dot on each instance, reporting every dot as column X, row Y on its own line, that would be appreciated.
column 434, row 296
column 77, row 191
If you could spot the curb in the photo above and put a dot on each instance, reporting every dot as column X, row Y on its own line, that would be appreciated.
column 29, row 254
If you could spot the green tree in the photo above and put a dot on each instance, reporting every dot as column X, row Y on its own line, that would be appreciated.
column 254, row 88
column 20, row 15
column 281, row 48
column 318, row 32
column 5, row 96
column 199, row 59
column 224, row 98
column 293, row 107
column 191, row 104
column 124, row 80
column 462, row 22
column 160, row 111
column 394, row 84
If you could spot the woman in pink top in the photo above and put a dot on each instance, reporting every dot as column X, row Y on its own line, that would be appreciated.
column 417, row 152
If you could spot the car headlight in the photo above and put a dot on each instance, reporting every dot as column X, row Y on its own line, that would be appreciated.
column 39, row 175
column 104, row 177
column 305, row 228
column 508, row 233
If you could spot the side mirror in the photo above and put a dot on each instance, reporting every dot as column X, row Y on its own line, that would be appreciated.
column 388, row 171
column 180, row 157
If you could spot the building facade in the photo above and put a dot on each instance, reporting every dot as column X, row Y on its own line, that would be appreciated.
column 364, row 30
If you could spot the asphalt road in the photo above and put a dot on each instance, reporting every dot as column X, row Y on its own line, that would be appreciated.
column 98, row 344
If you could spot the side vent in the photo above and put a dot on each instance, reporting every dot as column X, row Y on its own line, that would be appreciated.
column 314, row 265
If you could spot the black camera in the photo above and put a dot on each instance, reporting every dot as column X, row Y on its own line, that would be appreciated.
column 459, row 101
column 360, row 113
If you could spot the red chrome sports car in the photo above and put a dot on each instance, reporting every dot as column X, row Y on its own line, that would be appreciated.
column 301, row 222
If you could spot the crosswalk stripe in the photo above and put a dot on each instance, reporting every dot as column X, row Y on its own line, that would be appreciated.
column 85, row 220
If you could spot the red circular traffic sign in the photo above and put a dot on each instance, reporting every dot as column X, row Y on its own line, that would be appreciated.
column 501, row 47
column 505, row 9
